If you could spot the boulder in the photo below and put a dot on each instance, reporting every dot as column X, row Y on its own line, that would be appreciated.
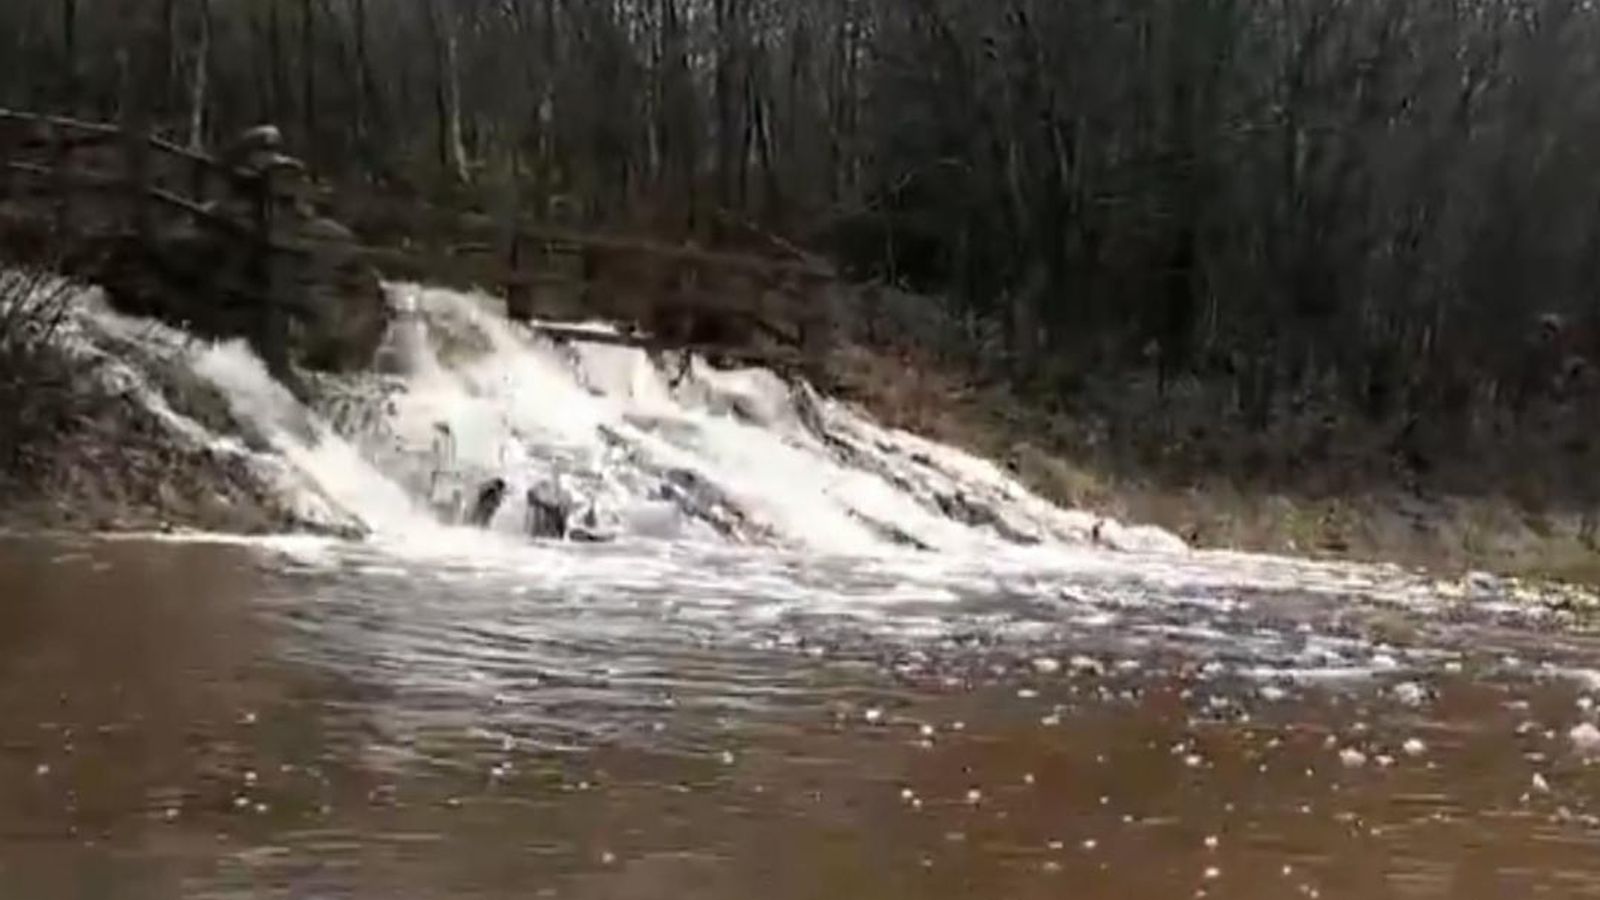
column 590, row 529
column 548, row 511
column 487, row 502
column 338, row 311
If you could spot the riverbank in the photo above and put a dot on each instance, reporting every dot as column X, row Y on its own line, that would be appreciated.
column 81, row 447
column 1512, row 509
column 105, row 464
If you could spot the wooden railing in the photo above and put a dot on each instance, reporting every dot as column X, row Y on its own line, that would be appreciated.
column 108, row 188
column 92, row 181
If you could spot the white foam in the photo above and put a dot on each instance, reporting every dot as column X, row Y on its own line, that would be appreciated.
column 331, row 464
column 480, row 397
column 607, row 420
column 835, row 500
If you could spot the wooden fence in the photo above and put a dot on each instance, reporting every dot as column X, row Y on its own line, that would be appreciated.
column 88, row 184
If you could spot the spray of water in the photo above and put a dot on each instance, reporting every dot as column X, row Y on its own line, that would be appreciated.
column 726, row 484
column 597, row 442
column 630, row 451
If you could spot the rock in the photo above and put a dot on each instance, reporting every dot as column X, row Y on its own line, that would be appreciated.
column 702, row 500
column 589, row 529
column 339, row 308
column 487, row 502
column 255, row 139
column 959, row 508
column 548, row 510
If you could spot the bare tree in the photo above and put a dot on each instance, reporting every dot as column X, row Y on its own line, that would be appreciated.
column 1302, row 197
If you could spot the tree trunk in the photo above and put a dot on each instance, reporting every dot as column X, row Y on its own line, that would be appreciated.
column 308, row 64
column 446, row 95
column 458, row 150
column 168, row 93
column 679, row 148
column 277, row 67
column 727, row 136
column 69, row 54
column 199, row 86
column 139, row 88
column 369, row 116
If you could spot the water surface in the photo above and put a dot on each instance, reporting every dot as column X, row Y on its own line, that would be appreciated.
column 192, row 719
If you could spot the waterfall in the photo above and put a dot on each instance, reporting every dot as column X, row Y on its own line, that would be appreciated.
column 598, row 442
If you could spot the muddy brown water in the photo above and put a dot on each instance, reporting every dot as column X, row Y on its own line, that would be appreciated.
column 214, row 720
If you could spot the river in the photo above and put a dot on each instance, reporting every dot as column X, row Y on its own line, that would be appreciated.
column 724, row 637
column 306, row 718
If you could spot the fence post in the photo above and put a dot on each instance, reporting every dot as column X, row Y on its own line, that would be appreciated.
column 519, row 299
column 137, row 65
column 8, row 145
column 198, row 181
column 61, row 183
column 519, row 288
column 816, row 330
column 136, row 190
column 273, row 338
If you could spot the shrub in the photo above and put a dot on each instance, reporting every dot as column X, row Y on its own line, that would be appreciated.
column 36, row 394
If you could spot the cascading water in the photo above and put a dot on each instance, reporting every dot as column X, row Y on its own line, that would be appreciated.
column 597, row 442
column 603, row 433
column 626, row 453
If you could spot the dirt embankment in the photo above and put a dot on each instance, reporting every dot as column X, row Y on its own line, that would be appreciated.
column 81, row 449
column 1515, row 497
column 103, row 463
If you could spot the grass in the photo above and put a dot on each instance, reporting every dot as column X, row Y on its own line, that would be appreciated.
column 77, row 452
column 36, row 379
column 1514, row 506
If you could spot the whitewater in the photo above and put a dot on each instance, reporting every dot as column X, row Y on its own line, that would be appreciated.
column 462, row 396
column 717, row 481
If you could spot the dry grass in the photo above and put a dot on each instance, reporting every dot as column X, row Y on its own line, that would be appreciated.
column 75, row 454
column 1295, row 490
column 36, row 380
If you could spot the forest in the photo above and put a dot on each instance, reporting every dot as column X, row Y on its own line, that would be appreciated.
column 1389, row 209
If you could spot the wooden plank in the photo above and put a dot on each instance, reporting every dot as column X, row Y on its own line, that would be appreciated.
column 101, row 181
column 58, row 122
column 583, row 335
column 108, row 132
column 645, row 341
column 63, row 204
column 486, row 233
column 241, row 230
column 8, row 148
column 525, row 230
column 754, row 265
column 510, row 244
column 75, row 178
column 535, row 278
column 137, row 174
column 739, row 262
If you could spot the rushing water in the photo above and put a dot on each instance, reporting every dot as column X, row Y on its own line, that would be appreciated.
column 809, row 657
